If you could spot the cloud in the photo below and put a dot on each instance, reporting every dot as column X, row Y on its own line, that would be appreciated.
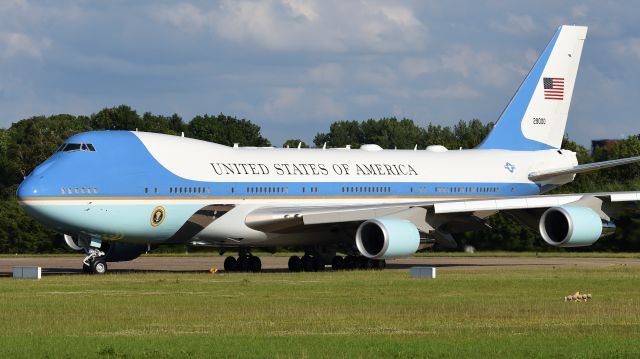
column 414, row 66
column 282, row 100
column 579, row 11
column 515, row 24
column 627, row 47
column 480, row 65
column 15, row 44
column 451, row 91
column 291, row 104
column 184, row 16
column 289, row 25
column 327, row 73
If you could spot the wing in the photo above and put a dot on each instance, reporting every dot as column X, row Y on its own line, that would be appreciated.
column 438, row 217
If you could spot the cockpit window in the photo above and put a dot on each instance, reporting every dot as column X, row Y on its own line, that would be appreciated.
column 67, row 147
column 71, row 147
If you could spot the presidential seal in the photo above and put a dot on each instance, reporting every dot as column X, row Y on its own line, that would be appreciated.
column 157, row 216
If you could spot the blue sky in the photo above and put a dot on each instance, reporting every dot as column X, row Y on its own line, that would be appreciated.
column 295, row 66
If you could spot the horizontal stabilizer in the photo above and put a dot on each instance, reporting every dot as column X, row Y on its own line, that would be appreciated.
column 588, row 167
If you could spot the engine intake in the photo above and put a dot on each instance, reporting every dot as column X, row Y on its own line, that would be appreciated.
column 573, row 226
column 385, row 238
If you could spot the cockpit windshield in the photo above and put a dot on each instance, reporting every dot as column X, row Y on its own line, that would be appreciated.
column 67, row 147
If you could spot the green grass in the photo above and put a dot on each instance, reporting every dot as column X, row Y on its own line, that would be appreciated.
column 463, row 313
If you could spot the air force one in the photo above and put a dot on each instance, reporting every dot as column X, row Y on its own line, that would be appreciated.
column 116, row 193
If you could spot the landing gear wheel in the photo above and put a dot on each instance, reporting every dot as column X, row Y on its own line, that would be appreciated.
column 367, row 263
column 308, row 263
column 243, row 264
column 350, row 263
column 86, row 268
column 380, row 264
column 255, row 264
column 99, row 266
column 230, row 264
column 295, row 264
column 318, row 264
column 337, row 263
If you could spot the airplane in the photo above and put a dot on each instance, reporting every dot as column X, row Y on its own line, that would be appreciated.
column 116, row 194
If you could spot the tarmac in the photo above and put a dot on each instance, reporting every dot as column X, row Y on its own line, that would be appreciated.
column 58, row 265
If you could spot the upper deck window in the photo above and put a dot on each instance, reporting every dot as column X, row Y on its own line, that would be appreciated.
column 67, row 147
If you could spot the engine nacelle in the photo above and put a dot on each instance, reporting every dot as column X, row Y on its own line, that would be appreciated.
column 122, row 252
column 573, row 226
column 385, row 238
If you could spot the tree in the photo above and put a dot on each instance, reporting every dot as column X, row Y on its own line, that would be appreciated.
column 171, row 125
column 443, row 136
column 471, row 134
column 340, row 134
column 226, row 130
column 116, row 118
column 293, row 143
column 628, row 147
column 390, row 133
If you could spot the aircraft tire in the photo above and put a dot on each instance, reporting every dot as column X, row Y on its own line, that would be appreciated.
column 350, row 263
column 86, row 268
column 308, row 264
column 255, row 264
column 230, row 264
column 243, row 264
column 98, row 266
column 318, row 264
column 337, row 263
column 295, row 264
column 380, row 264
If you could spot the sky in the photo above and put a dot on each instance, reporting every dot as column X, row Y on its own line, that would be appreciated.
column 295, row 66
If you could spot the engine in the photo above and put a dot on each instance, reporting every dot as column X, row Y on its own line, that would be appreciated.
column 121, row 252
column 385, row 238
column 573, row 226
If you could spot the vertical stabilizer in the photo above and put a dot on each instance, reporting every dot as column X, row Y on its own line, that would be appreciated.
column 536, row 117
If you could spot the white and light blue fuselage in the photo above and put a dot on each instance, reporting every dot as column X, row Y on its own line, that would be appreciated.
column 111, row 192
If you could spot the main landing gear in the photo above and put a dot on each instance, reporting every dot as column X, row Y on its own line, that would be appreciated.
column 311, row 263
column 246, row 262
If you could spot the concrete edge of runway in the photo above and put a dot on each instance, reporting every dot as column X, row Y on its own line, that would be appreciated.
column 73, row 265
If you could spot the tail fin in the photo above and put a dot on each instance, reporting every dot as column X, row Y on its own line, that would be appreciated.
column 535, row 118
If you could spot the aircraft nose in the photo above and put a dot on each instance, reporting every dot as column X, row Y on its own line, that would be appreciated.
column 28, row 188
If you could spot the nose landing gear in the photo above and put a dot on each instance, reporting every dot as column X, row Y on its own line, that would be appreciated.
column 94, row 262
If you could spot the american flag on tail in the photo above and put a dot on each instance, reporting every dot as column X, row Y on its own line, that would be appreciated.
column 553, row 88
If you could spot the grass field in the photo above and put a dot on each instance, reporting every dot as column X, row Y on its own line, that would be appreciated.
column 463, row 313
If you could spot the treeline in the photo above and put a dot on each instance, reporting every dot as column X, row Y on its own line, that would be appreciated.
column 30, row 141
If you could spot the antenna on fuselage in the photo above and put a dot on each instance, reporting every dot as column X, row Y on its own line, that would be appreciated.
column 415, row 148
column 299, row 144
column 182, row 134
column 324, row 147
